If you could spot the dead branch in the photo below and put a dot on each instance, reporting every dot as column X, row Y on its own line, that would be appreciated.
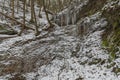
column 15, row 20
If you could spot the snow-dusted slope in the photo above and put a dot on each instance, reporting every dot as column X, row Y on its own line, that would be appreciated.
column 59, row 54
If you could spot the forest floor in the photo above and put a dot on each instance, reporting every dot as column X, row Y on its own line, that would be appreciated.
column 58, row 54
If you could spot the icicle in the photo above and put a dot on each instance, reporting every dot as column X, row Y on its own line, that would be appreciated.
column 61, row 19
column 72, row 18
column 68, row 17
column 75, row 17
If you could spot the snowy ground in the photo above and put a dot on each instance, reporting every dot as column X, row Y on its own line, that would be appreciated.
column 59, row 54
column 67, row 56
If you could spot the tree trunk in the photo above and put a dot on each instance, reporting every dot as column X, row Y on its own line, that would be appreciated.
column 23, row 26
column 44, row 6
column 32, row 11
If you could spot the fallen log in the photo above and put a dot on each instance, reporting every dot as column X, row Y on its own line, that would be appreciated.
column 8, row 32
column 16, row 20
column 6, row 36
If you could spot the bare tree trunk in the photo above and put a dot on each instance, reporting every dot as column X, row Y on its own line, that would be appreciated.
column 44, row 6
column 12, row 3
column 12, row 9
column 17, row 6
column 32, row 11
column 23, row 26
column 40, row 16
column 36, row 26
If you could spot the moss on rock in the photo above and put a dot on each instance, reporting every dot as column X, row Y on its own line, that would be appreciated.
column 111, row 36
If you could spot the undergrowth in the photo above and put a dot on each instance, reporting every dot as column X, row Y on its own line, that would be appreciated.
column 111, row 36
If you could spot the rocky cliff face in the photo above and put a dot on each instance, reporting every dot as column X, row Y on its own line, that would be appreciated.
column 87, row 49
